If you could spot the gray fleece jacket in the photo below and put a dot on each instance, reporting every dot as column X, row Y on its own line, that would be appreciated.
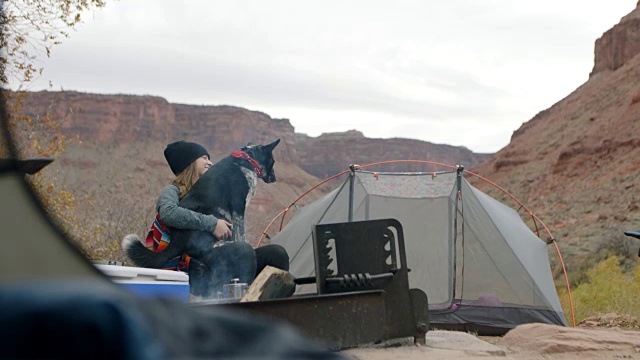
column 175, row 216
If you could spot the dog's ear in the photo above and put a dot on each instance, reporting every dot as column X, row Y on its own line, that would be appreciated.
column 245, row 148
column 271, row 146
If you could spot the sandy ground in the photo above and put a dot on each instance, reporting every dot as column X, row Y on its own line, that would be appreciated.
column 528, row 342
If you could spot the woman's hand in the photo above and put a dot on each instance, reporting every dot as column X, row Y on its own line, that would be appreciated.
column 222, row 230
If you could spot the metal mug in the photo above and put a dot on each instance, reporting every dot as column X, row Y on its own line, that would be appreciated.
column 235, row 290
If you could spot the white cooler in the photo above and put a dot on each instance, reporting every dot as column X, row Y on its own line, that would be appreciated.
column 149, row 282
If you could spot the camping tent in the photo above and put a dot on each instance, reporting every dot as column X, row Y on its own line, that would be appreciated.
column 480, row 265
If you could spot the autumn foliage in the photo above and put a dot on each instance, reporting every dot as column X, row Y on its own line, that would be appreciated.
column 30, row 29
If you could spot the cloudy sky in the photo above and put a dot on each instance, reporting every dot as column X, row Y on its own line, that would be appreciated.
column 459, row 72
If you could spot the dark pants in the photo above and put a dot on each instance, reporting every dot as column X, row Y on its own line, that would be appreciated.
column 272, row 255
column 234, row 260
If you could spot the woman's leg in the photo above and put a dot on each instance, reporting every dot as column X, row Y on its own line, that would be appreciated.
column 272, row 255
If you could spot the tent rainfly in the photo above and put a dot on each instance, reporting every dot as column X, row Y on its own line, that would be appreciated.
column 480, row 265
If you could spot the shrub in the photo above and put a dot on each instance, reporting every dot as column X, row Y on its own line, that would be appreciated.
column 608, row 289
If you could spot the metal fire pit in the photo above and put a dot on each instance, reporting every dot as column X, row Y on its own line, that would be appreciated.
column 363, row 293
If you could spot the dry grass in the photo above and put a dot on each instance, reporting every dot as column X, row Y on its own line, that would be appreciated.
column 608, row 289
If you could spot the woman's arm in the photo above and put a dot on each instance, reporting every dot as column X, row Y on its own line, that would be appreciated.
column 175, row 216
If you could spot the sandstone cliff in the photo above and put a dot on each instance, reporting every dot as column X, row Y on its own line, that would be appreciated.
column 121, row 119
column 577, row 164
column 109, row 119
column 618, row 45
column 331, row 153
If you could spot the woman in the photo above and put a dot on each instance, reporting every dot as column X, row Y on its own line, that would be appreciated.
column 188, row 161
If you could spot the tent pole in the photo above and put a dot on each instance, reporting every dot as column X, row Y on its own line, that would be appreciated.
column 353, row 168
column 454, row 279
column 459, row 170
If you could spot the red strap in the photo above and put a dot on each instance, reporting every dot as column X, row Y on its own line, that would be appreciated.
column 243, row 155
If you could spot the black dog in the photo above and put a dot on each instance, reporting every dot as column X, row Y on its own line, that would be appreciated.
column 223, row 191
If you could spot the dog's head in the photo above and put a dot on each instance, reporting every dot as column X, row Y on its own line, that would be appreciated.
column 263, row 154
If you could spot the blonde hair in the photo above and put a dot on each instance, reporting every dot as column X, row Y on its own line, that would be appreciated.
column 186, row 179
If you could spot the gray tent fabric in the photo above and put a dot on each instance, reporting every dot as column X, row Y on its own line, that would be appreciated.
column 28, row 236
column 480, row 265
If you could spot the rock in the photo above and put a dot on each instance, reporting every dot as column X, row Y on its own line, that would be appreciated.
column 618, row 45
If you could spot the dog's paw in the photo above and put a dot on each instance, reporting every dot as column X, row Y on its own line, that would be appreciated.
column 220, row 243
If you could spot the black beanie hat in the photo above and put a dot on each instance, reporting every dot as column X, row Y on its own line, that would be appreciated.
column 181, row 154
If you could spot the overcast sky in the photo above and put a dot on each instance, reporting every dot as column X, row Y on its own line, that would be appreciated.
column 459, row 72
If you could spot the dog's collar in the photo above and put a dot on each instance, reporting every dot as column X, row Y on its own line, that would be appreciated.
column 239, row 154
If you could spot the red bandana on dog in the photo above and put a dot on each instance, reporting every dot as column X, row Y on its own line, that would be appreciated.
column 243, row 155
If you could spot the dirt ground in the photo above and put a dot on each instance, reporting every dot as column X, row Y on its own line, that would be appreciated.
column 605, row 337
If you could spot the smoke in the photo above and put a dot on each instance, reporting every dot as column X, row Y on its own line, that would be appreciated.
column 233, row 260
